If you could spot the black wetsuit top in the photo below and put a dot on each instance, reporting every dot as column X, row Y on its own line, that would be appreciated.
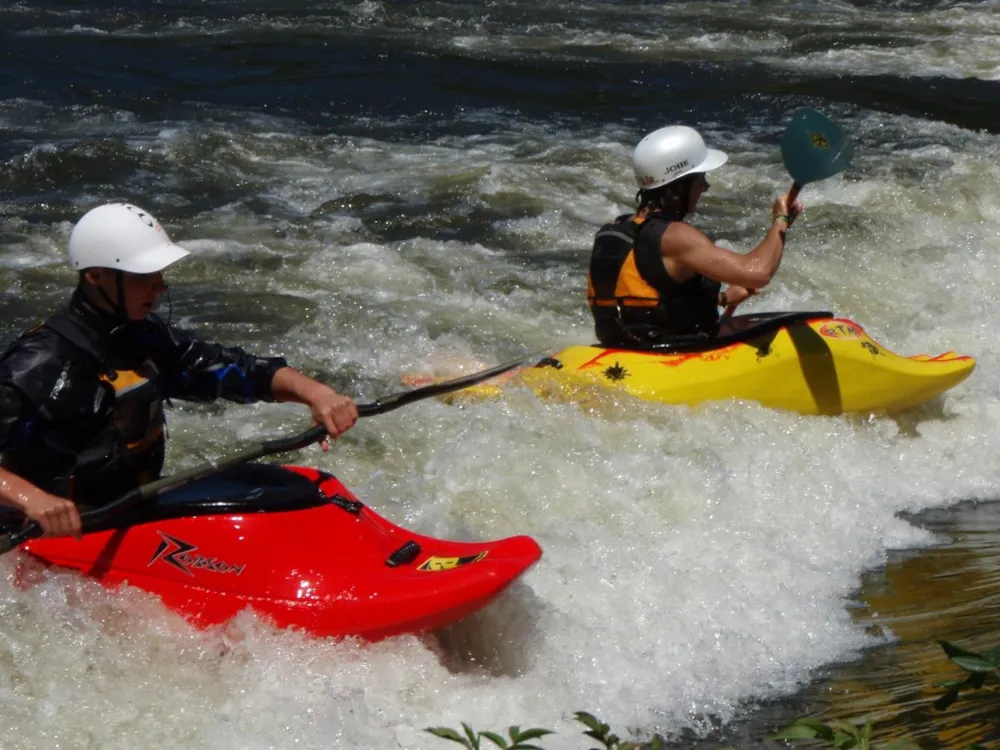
column 81, row 397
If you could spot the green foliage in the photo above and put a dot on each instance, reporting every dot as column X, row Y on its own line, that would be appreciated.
column 601, row 732
column 839, row 734
column 979, row 666
column 518, row 740
column 596, row 729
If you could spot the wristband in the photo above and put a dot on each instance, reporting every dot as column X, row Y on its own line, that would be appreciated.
column 783, row 217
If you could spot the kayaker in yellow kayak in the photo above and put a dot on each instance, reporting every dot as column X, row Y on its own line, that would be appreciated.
column 651, row 274
column 81, row 396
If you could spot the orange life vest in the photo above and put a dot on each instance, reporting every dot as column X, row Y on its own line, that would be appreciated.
column 633, row 297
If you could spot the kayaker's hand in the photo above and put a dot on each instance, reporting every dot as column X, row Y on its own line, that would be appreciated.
column 781, row 207
column 336, row 412
column 734, row 296
column 56, row 515
column 737, row 294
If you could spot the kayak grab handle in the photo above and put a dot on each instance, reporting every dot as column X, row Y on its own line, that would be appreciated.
column 351, row 506
column 404, row 555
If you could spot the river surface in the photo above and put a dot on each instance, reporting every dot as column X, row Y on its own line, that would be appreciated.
column 380, row 188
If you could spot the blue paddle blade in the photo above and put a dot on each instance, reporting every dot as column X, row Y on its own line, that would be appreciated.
column 814, row 148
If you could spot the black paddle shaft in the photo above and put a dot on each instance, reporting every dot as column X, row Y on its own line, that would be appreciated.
column 130, row 499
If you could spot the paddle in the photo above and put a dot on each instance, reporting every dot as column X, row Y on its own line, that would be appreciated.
column 813, row 148
column 144, row 492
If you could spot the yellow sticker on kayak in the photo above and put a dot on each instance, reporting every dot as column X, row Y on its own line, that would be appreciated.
column 841, row 329
column 435, row 564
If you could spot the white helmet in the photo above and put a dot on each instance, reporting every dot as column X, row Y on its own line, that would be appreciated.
column 122, row 237
column 670, row 153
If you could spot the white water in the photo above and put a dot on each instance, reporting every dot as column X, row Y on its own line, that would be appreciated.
column 694, row 559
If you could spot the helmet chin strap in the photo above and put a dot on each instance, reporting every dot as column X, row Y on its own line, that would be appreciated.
column 119, row 313
column 118, row 309
column 170, row 306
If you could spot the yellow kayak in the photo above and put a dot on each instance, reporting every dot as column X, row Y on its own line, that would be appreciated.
column 810, row 363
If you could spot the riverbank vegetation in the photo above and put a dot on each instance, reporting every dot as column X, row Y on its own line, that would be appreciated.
column 982, row 671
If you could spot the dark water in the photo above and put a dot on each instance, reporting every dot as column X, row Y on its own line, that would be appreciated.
column 395, row 72
column 326, row 66
column 291, row 139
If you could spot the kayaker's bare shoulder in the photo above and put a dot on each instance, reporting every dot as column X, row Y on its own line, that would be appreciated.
column 680, row 239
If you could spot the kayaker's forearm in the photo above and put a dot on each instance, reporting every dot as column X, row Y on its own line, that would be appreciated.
column 15, row 491
column 765, row 259
column 56, row 515
column 289, row 384
column 332, row 410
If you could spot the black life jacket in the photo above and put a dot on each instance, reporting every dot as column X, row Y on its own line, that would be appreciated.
column 633, row 299
column 137, row 417
column 123, row 441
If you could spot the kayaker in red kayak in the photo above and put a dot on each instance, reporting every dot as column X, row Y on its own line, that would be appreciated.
column 653, row 275
column 81, row 396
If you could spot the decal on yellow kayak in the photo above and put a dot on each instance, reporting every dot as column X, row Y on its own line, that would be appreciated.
column 841, row 329
column 434, row 564
column 616, row 372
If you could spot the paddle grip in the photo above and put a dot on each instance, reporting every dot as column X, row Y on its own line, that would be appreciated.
column 294, row 443
column 792, row 195
column 370, row 410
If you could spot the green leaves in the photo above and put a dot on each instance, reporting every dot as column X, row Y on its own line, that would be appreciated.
column 971, row 661
column 470, row 740
column 838, row 734
column 979, row 667
column 804, row 729
column 450, row 734
column 518, row 740
column 597, row 730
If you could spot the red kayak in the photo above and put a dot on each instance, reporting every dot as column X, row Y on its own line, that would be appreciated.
column 297, row 547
